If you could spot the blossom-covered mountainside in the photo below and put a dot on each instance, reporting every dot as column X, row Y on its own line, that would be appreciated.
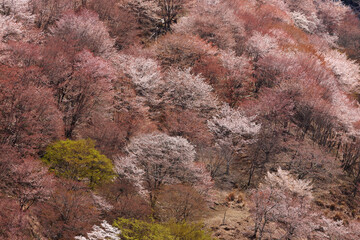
column 179, row 119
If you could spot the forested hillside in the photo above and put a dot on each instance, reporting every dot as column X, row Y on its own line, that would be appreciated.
column 179, row 119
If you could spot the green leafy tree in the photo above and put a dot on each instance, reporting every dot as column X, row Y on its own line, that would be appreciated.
column 189, row 231
column 132, row 229
column 79, row 160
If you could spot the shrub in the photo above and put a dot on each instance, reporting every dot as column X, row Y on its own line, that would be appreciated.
column 79, row 160
column 140, row 230
column 132, row 229
column 189, row 231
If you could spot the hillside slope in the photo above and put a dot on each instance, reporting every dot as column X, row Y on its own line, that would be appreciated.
column 179, row 119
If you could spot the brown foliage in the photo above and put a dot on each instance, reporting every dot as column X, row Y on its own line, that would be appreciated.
column 349, row 35
column 210, row 68
column 70, row 211
column 181, row 51
column 179, row 202
column 29, row 119
column 80, row 82
column 13, row 222
column 230, row 197
column 122, row 23
column 47, row 12
column 187, row 124
column 125, row 201
column 23, row 179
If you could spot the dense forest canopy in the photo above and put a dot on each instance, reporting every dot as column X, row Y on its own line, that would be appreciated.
column 179, row 119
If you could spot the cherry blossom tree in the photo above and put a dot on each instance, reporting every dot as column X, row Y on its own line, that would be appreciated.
column 307, row 7
column 10, row 29
column 145, row 75
column 104, row 231
column 87, row 30
column 260, row 45
column 20, row 9
column 331, row 14
column 157, row 159
column 346, row 70
column 187, row 91
column 303, row 22
column 232, row 129
column 286, row 202
column 83, row 88
column 175, row 88
column 23, row 178
column 333, row 229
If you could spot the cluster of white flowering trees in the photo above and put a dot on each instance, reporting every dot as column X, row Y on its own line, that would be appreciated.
column 177, row 88
column 226, row 76
column 154, row 160
column 285, row 202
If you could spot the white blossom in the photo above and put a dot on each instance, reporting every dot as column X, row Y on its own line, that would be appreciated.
column 284, row 181
column 347, row 71
column 19, row 9
column 285, row 201
column 304, row 22
column 9, row 28
column 145, row 74
column 260, row 45
column 232, row 126
column 188, row 91
column 157, row 159
column 333, row 229
column 103, row 232
column 346, row 110
column 88, row 30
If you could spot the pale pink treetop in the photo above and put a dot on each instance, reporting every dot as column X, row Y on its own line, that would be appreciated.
column 188, row 91
column 157, row 159
column 233, row 127
column 346, row 70
column 260, row 45
column 86, row 28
